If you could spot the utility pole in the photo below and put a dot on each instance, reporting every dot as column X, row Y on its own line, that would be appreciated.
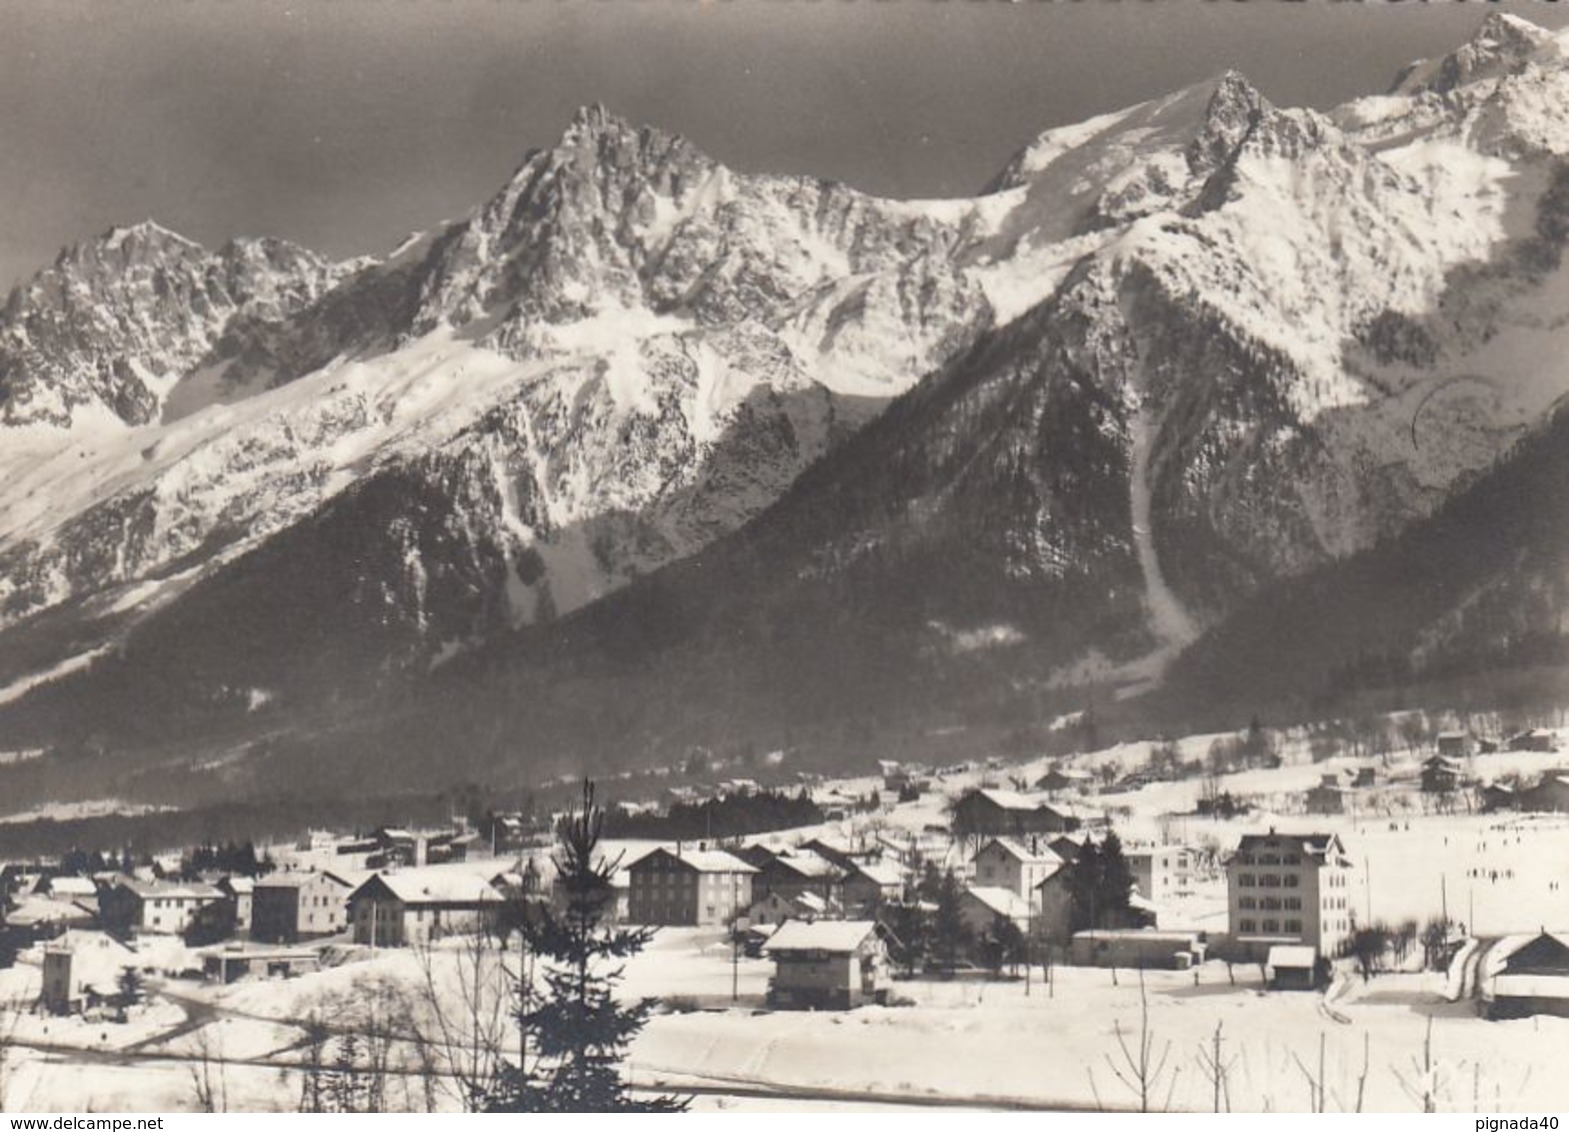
column 1029, row 936
column 1367, row 868
column 735, row 938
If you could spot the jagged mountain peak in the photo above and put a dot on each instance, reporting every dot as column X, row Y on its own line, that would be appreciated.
column 1503, row 44
column 1234, row 110
column 130, row 245
column 118, row 317
column 594, row 118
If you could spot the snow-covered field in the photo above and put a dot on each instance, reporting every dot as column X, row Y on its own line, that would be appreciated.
column 966, row 1043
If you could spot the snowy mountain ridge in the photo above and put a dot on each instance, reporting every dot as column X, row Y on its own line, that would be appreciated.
column 1172, row 354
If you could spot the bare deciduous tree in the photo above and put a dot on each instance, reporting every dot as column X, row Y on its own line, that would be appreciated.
column 1141, row 1068
column 209, row 1075
column 10, row 1016
column 1217, row 1068
column 466, row 1018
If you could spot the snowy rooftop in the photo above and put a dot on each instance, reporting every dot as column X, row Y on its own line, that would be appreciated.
column 1287, row 955
column 296, row 879
column 437, row 885
column 824, row 935
column 1041, row 853
column 169, row 890
column 700, row 860
column 881, row 872
column 808, row 864
column 72, row 886
column 1003, row 901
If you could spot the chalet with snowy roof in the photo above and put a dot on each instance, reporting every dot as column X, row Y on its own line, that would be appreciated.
column 40, row 917
column 159, row 907
column 1526, row 975
column 1007, row 813
column 1550, row 795
column 1533, row 740
column 844, row 853
column 801, row 870
column 1455, row 744
column 81, row 969
column 867, row 887
column 68, row 888
column 291, row 906
column 776, row 908
column 830, row 964
column 1328, row 797
column 981, row 906
column 1287, row 888
column 412, row 906
column 1442, row 774
column 694, row 887
column 1499, row 796
column 1292, row 967
column 1059, row 780
column 1017, row 864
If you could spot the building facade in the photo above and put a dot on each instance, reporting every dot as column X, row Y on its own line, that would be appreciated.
column 156, row 907
column 704, row 887
column 1163, row 871
column 833, row 964
column 1015, row 864
column 417, row 906
column 290, row 906
column 1290, row 889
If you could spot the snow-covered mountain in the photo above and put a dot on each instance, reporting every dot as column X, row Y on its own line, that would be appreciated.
column 1171, row 356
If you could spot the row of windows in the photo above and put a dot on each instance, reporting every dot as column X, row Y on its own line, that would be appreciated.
column 1292, row 926
column 1271, row 903
column 1334, row 902
column 1291, row 859
column 690, row 880
column 1268, row 880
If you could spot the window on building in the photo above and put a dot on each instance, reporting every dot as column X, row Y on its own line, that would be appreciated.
column 1246, row 880
column 1246, row 925
column 1269, row 880
column 1292, row 880
column 1271, row 925
column 1247, row 902
column 1294, row 926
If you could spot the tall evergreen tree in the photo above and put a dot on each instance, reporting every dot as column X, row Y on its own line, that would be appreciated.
column 1100, row 884
column 948, row 929
column 578, row 1031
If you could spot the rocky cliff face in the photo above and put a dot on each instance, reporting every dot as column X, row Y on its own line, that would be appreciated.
column 117, row 320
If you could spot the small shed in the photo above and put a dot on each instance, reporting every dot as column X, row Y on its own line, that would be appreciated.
column 1292, row 967
column 830, row 964
column 1137, row 947
column 233, row 963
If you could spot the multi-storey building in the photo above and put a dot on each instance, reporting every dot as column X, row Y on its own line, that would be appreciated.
column 1286, row 888
column 289, row 906
column 1017, row 865
column 1162, row 871
column 696, row 887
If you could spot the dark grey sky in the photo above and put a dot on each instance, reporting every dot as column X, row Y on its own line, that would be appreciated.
column 344, row 124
